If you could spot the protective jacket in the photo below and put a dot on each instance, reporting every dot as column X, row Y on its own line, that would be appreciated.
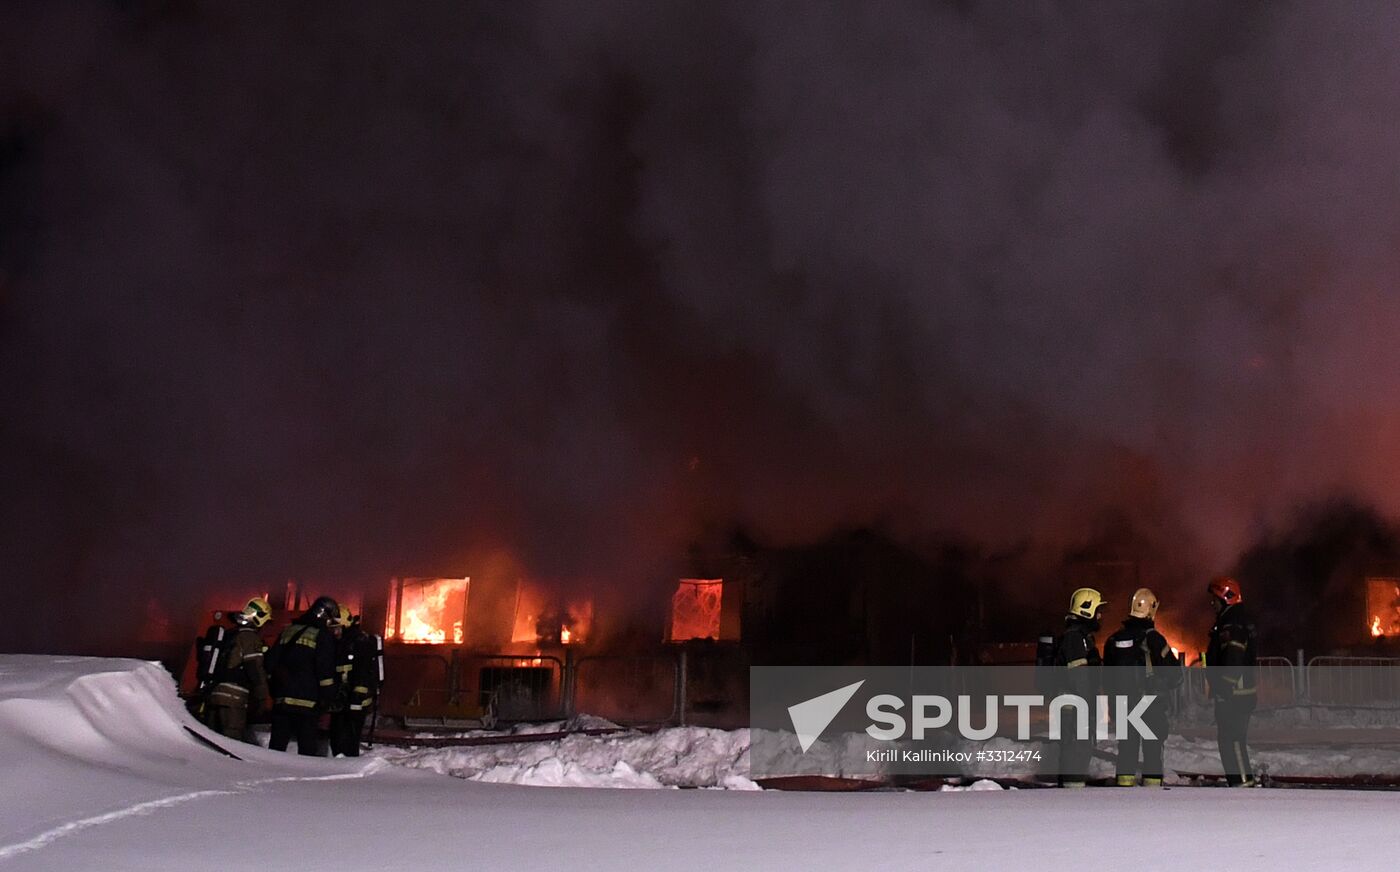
column 358, row 667
column 1078, row 654
column 1140, row 659
column 302, row 666
column 241, row 676
column 1230, row 658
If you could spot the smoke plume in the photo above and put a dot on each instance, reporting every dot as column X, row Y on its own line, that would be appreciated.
column 368, row 289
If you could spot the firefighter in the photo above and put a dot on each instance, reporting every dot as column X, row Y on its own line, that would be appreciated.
column 301, row 666
column 357, row 665
column 1230, row 669
column 240, row 688
column 1077, row 657
column 1141, row 661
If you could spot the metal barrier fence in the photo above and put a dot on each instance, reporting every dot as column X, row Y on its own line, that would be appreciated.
column 1354, row 681
column 525, row 688
column 632, row 688
column 402, row 679
column 1325, row 681
column 1276, row 678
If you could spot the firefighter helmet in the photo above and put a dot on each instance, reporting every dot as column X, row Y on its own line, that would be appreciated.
column 1225, row 589
column 343, row 617
column 1144, row 604
column 1086, row 603
column 324, row 611
column 256, row 613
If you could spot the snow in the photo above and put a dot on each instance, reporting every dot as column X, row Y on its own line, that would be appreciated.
column 703, row 757
column 676, row 757
column 98, row 771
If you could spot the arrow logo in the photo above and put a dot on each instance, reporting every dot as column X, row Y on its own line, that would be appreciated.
column 811, row 717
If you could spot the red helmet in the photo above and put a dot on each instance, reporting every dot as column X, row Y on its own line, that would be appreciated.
column 1225, row 589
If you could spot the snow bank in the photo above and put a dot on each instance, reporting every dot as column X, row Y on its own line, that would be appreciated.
column 110, row 712
column 675, row 757
column 984, row 784
column 85, row 741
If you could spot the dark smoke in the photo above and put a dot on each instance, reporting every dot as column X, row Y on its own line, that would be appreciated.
column 339, row 292
column 1305, row 581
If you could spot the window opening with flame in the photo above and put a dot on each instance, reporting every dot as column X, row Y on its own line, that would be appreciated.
column 543, row 618
column 427, row 611
column 696, row 609
column 1383, row 606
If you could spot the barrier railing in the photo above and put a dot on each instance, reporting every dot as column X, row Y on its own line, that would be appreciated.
column 397, row 669
column 1354, row 681
column 1275, row 677
column 525, row 688
column 632, row 688
column 1277, row 681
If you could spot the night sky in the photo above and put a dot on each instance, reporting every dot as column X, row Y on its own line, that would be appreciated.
column 357, row 290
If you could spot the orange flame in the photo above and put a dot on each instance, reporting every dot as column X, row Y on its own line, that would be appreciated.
column 696, row 609
column 429, row 619
column 1180, row 642
column 1376, row 626
column 417, row 629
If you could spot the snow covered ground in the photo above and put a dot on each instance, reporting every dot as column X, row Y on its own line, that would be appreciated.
column 99, row 772
column 704, row 757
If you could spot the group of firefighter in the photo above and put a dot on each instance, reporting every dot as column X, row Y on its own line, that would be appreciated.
column 1142, row 664
column 323, row 665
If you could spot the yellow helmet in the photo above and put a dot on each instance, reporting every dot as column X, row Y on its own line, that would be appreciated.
column 1144, row 604
column 342, row 617
column 256, row 613
column 1086, row 602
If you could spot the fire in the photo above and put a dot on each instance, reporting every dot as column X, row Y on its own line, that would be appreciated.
column 428, row 611
column 416, row 629
column 696, row 609
column 1178, row 641
column 543, row 618
column 1383, row 606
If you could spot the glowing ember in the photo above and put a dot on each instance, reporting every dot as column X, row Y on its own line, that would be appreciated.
column 696, row 609
column 1176, row 646
column 544, row 621
column 1376, row 626
column 1178, row 641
